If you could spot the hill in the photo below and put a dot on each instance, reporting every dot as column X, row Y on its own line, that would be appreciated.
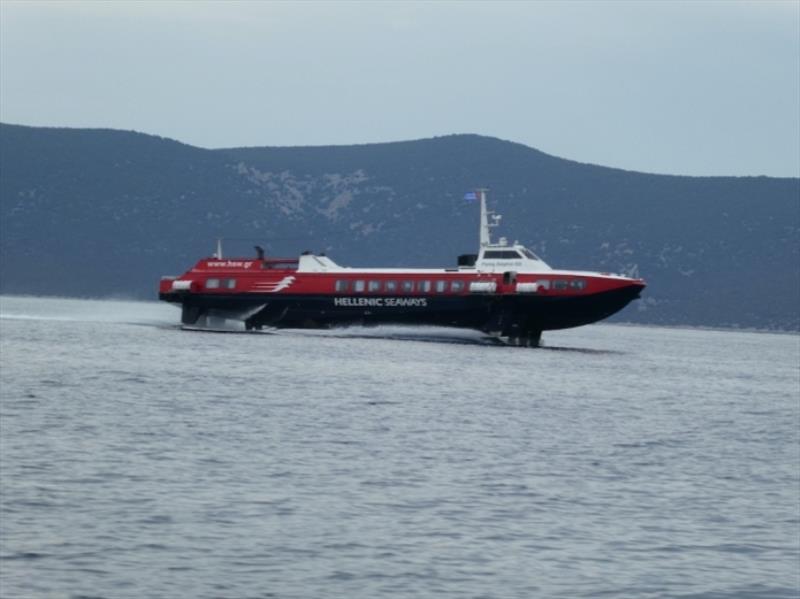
column 104, row 213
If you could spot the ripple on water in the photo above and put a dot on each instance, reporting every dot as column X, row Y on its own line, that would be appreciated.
column 145, row 461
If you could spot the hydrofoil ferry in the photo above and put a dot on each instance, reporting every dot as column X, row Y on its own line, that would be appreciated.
column 505, row 290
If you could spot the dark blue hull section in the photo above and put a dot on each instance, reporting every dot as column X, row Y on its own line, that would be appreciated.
column 508, row 315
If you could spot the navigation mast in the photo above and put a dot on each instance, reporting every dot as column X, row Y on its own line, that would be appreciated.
column 486, row 226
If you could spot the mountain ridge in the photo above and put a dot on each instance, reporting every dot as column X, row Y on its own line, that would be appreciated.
column 383, row 143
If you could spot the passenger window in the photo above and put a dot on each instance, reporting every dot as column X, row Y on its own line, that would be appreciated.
column 212, row 283
column 543, row 284
column 342, row 286
column 358, row 286
column 559, row 284
column 423, row 286
column 408, row 286
column 577, row 284
column 390, row 286
column 374, row 286
column 441, row 286
column 457, row 286
column 230, row 283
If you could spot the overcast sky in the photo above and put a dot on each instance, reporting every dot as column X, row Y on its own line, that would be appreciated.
column 700, row 88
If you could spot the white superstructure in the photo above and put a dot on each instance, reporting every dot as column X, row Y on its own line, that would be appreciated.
column 492, row 257
column 500, row 256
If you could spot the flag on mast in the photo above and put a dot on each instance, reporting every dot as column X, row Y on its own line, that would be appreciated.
column 470, row 196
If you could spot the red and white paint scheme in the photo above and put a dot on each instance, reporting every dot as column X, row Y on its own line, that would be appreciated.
column 504, row 290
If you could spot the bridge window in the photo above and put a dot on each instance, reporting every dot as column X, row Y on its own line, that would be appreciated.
column 374, row 286
column 457, row 286
column 407, row 286
column 342, row 286
column 358, row 286
column 212, row 283
column 390, row 286
column 423, row 286
column 530, row 254
column 501, row 255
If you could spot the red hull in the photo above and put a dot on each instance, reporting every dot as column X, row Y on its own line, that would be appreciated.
column 275, row 293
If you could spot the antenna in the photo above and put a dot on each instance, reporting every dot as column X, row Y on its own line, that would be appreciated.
column 218, row 255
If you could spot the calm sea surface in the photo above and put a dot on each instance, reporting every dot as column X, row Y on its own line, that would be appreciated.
column 139, row 460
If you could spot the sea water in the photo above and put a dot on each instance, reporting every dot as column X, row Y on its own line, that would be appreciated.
column 141, row 460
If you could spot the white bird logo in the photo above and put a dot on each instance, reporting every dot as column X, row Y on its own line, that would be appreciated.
column 274, row 286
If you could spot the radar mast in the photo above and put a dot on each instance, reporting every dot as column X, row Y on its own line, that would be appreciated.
column 486, row 216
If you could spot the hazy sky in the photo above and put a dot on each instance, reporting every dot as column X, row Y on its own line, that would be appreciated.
column 702, row 88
